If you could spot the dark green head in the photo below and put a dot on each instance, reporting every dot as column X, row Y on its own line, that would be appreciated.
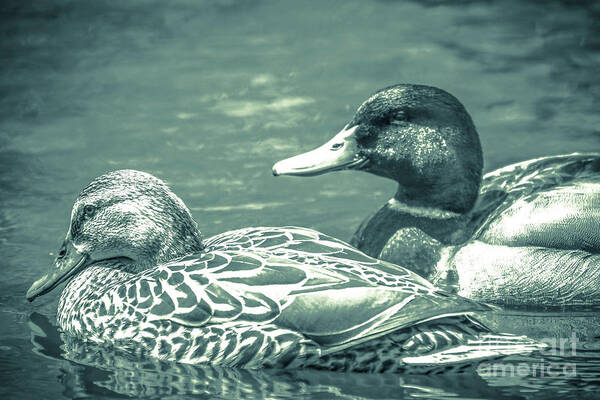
column 420, row 136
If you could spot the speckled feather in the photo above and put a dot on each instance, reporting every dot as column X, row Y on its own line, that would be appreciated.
column 282, row 297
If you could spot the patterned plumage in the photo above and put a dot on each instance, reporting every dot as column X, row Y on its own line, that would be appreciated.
column 254, row 297
column 152, row 378
column 526, row 234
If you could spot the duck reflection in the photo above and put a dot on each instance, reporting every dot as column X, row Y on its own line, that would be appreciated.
column 92, row 369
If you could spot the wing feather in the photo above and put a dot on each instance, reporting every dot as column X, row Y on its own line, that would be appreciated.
column 301, row 280
column 549, row 202
column 502, row 187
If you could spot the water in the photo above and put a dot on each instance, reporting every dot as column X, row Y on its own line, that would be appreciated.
column 208, row 94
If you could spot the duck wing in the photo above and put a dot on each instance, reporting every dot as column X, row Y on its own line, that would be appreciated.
column 309, row 283
column 548, row 202
column 536, row 234
column 502, row 187
column 313, row 247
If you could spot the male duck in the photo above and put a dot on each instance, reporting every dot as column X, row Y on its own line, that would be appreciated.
column 140, row 277
column 529, row 234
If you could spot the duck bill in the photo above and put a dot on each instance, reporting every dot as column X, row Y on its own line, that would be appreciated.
column 68, row 263
column 341, row 152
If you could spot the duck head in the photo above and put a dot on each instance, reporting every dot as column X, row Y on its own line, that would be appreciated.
column 125, row 219
column 420, row 136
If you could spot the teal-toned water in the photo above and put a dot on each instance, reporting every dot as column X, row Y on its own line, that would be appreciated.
column 207, row 95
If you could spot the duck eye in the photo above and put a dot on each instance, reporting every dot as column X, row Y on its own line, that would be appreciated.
column 89, row 211
column 337, row 146
column 397, row 118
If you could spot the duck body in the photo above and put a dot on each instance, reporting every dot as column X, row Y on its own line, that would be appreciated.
column 275, row 297
column 533, row 236
column 526, row 234
column 256, row 297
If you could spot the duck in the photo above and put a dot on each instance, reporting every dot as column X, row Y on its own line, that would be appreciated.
column 526, row 235
column 141, row 278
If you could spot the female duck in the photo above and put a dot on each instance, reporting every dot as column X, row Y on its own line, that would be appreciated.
column 140, row 277
column 528, row 234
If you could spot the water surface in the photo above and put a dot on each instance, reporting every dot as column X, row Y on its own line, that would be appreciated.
column 208, row 94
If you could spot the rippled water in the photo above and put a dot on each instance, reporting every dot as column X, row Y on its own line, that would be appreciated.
column 208, row 94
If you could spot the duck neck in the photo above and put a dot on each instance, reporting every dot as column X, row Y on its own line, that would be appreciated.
column 184, row 240
column 411, row 236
